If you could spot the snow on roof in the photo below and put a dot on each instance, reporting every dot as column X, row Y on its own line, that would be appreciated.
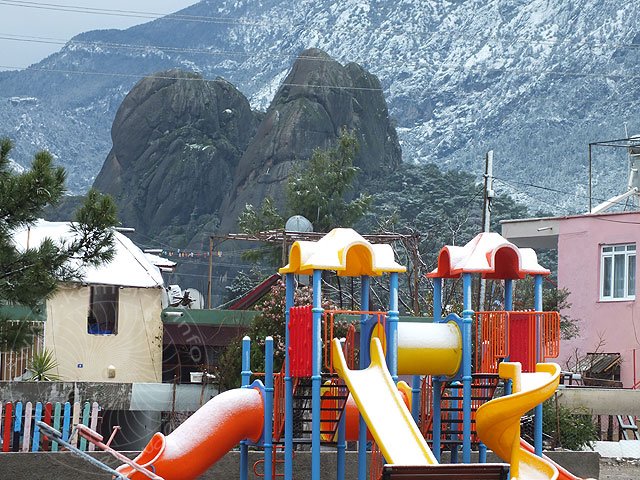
column 129, row 267
column 164, row 264
column 489, row 254
column 344, row 251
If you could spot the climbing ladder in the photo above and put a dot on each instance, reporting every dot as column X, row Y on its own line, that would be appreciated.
column 627, row 425
column 334, row 399
column 483, row 387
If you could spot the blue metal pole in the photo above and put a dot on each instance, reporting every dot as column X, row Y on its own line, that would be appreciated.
column 537, row 300
column 467, row 315
column 268, row 408
column 454, row 453
column 316, row 378
column 482, row 453
column 365, row 286
column 288, row 382
column 246, row 378
column 437, row 417
column 341, row 445
column 508, row 295
column 415, row 397
column 392, row 327
column 437, row 300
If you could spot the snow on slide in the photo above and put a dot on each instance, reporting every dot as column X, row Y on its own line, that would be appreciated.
column 563, row 473
column 204, row 438
column 498, row 422
column 383, row 409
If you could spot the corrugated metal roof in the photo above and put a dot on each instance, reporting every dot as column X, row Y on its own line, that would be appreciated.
column 599, row 363
column 254, row 295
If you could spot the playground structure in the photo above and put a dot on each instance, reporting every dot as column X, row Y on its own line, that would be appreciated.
column 321, row 398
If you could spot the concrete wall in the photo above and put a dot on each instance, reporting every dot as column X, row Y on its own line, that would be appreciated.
column 64, row 466
column 148, row 397
column 601, row 401
column 135, row 351
column 617, row 323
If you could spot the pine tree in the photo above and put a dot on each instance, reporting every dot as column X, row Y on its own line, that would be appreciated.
column 29, row 276
column 319, row 189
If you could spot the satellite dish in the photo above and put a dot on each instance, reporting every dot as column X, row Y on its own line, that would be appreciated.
column 197, row 300
column 298, row 223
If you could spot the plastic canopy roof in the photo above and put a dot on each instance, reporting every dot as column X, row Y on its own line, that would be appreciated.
column 490, row 255
column 344, row 251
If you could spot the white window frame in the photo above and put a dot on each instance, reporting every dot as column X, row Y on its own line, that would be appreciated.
column 608, row 252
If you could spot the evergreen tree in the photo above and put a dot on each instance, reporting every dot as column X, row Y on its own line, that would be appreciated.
column 318, row 190
column 30, row 276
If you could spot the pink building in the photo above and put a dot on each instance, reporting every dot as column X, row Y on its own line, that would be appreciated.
column 597, row 264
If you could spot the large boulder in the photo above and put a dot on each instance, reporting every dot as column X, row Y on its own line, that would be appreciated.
column 177, row 141
column 318, row 98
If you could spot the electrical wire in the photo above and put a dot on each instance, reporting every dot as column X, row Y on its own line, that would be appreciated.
column 164, row 48
column 337, row 87
column 205, row 18
column 167, row 77
column 129, row 13
column 555, row 190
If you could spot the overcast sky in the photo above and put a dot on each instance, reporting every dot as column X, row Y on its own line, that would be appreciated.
column 41, row 20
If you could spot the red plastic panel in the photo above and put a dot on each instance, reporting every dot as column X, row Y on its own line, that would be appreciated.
column 522, row 339
column 300, row 341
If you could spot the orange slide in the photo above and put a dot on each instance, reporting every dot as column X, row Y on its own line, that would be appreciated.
column 204, row 438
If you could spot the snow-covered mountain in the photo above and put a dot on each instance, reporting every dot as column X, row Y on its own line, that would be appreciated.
column 535, row 80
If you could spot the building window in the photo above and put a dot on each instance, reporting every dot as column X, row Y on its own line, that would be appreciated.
column 618, row 272
column 103, row 310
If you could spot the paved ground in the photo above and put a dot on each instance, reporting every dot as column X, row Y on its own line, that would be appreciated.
column 619, row 469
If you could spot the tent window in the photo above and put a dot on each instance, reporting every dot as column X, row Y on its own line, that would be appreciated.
column 103, row 310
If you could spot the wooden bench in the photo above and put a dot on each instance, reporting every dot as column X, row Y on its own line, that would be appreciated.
column 458, row 471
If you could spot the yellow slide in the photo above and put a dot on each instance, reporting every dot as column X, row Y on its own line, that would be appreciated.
column 383, row 409
column 498, row 421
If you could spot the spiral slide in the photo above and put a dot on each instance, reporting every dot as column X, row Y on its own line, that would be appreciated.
column 204, row 438
column 383, row 409
column 498, row 422
column 563, row 473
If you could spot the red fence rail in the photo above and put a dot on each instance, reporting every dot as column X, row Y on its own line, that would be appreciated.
column 502, row 334
column 329, row 334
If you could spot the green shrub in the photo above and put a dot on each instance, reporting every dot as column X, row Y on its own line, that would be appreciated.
column 572, row 429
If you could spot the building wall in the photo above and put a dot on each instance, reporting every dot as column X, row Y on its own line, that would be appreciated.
column 616, row 323
column 135, row 351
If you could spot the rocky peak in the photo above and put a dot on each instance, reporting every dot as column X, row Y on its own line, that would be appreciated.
column 317, row 99
column 177, row 140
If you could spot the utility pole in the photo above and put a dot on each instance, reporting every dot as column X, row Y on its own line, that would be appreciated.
column 210, row 273
column 486, row 215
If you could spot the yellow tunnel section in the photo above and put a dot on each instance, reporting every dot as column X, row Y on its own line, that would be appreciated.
column 426, row 348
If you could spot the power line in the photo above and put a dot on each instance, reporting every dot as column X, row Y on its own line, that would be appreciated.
column 533, row 197
column 129, row 13
column 181, row 78
column 338, row 87
column 54, row 41
column 205, row 18
column 554, row 190
column 63, row 42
